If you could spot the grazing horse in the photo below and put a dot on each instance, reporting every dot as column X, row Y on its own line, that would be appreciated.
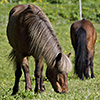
column 30, row 34
column 83, row 37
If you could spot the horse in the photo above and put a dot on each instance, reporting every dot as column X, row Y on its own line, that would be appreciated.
column 30, row 33
column 83, row 37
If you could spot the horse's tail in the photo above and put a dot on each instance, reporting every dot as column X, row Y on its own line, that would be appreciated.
column 80, row 51
column 12, row 57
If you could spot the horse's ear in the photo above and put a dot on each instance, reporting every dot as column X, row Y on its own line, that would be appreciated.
column 68, row 55
column 58, row 58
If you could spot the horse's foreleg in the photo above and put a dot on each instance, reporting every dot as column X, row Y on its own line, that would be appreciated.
column 25, row 67
column 39, row 77
column 42, row 86
column 18, row 74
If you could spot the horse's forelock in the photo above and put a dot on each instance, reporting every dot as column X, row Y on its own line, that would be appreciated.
column 66, row 65
column 69, row 64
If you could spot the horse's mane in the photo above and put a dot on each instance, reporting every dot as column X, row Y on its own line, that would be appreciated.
column 41, row 36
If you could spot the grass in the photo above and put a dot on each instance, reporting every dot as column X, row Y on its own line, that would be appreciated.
column 78, row 90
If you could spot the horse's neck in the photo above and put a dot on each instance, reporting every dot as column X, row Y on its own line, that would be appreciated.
column 43, row 40
column 51, row 53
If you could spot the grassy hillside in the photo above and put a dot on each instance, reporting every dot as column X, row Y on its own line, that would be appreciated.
column 78, row 90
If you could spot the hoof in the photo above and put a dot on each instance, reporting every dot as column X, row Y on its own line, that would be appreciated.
column 37, row 91
column 13, row 93
column 28, row 89
column 15, row 90
column 92, row 76
column 43, row 88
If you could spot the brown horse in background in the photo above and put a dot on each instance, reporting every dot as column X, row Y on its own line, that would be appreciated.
column 83, row 37
column 31, row 34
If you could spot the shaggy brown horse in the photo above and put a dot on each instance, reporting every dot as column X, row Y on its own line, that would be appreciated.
column 83, row 37
column 31, row 34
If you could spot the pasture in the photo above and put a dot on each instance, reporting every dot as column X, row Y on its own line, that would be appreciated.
column 78, row 90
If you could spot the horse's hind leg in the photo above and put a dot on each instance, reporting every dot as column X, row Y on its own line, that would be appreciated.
column 86, row 73
column 39, row 87
column 25, row 67
column 18, row 74
column 91, row 55
column 80, row 75
column 91, row 67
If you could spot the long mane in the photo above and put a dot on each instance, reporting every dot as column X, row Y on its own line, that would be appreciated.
column 41, row 37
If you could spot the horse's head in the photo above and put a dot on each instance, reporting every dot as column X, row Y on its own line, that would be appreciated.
column 57, row 75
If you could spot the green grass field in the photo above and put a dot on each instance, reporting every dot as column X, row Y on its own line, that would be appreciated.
column 78, row 90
